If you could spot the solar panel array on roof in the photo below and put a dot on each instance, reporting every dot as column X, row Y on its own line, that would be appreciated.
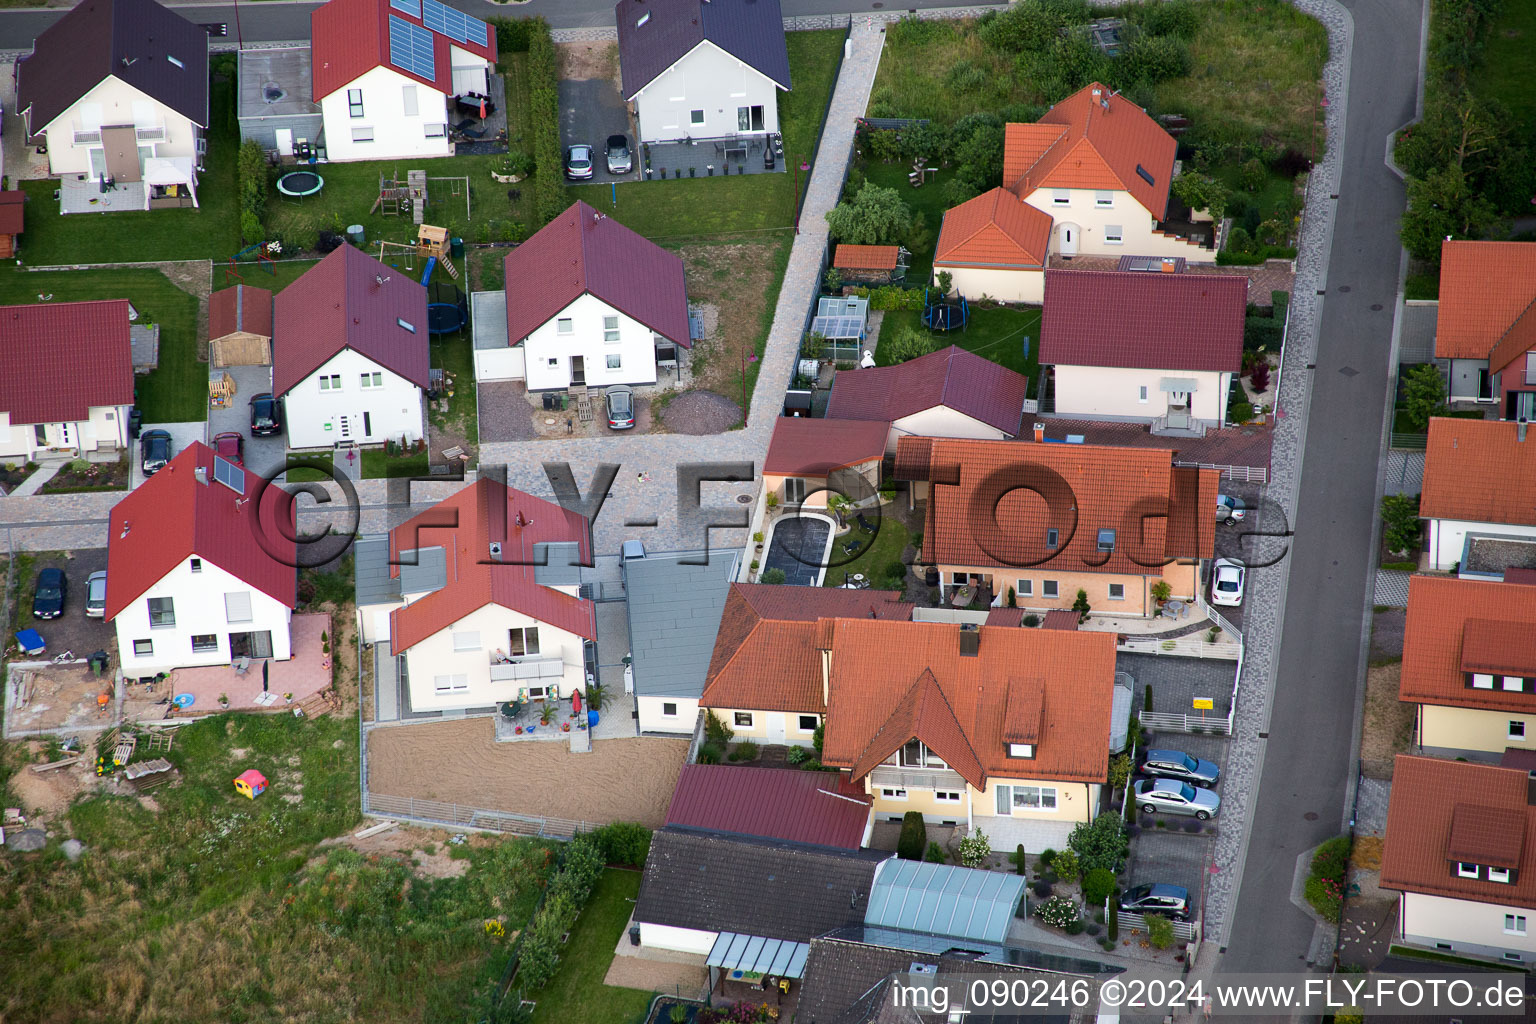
column 410, row 48
column 453, row 23
column 229, row 474
column 411, row 7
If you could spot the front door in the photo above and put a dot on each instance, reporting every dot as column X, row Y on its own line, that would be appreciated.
column 122, row 146
column 1484, row 385
column 578, row 371
column 1069, row 239
column 776, row 727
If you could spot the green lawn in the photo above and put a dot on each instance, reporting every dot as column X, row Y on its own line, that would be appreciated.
column 927, row 201
column 178, row 390
column 1509, row 62
column 378, row 464
column 302, row 475
column 690, row 207
column 996, row 334
column 577, row 992
column 889, row 542
column 455, row 354
column 1422, row 286
column 942, row 70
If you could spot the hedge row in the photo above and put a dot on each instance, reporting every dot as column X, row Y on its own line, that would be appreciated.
column 549, row 198
column 890, row 296
column 252, row 169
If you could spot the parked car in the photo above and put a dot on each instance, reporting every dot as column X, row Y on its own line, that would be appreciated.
column 1175, row 764
column 619, row 159
column 266, row 415
column 578, row 162
column 1229, row 510
column 620, row 402
column 1176, row 797
column 230, row 445
column 1157, row 898
column 1227, row 583
column 154, row 450
column 48, row 594
column 96, row 596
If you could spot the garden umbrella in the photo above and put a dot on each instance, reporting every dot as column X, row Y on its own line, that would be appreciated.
column 264, row 665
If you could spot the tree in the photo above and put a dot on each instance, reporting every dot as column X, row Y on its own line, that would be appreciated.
column 1098, row 886
column 1423, row 396
column 979, row 151
column 1443, row 204
column 875, row 216
column 1101, row 843
column 945, row 281
column 1082, row 607
column 1400, row 522
column 912, row 843
column 1199, row 192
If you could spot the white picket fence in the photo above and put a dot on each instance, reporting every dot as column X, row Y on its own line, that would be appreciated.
column 1192, row 646
column 1212, row 723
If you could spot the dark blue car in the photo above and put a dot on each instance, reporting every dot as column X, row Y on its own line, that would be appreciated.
column 48, row 596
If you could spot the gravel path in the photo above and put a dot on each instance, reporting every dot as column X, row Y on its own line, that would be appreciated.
column 701, row 412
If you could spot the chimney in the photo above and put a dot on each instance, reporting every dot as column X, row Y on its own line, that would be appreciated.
column 970, row 640
column 1168, row 265
column 1039, row 432
column 201, row 474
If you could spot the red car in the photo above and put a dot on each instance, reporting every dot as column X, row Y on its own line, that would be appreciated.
column 230, row 445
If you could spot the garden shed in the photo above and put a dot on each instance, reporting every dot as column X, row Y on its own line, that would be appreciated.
column 240, row 327
column 871, row 264
column 843, row 322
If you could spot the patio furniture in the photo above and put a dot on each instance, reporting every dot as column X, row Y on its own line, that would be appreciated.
column 962, row 597
column 242, row 665
column 865, row 524
column 852, row 548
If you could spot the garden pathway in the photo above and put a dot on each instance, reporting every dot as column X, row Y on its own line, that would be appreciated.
column 34, row 483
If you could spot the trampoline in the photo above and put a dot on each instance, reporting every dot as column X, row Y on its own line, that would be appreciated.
column 801, row 546
column 945, row 314
column 447, row 309
column 300, row 183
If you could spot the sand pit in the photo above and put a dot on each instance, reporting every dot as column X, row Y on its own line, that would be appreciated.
column 460, row 762
column 58, row 697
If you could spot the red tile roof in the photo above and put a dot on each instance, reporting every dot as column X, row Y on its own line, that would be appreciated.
column 780, row 803
column 1444, row 811
column 1005, row 617
column 11, row 219
column 1457, row 626
column 865, row 257
column 174, row 515
column 895, row 681
column 1098, row 147
column 58, row 360
column 952, row 377
column 994, row 511
column 1479, row 471
column 996, row 229
column 349, row 300
column 466, row 525
column 1143, row 321
column 1061, row 618
column 582, row 252
column 766, row 656
column 241, row 308
column 349, row 38
column 809, row 447
column 1485, row 287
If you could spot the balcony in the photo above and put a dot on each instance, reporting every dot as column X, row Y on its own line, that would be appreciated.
column 87, row 138
column 892, row 777
column 546, row 665
column 92, row 137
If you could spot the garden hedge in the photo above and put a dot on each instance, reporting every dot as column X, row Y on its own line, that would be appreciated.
column 549, row 198
column 913, row 842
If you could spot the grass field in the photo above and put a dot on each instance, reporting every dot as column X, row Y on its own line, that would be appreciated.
column 1509, row 62
column 206, row 906
column 691, row 207
column 928, row 201
column 996, row 334
column 889, row 542
column 378, row 464
column 577, row 992
column 942, row 70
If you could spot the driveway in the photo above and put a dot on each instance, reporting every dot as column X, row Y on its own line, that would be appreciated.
column 1173, row 857
column 263, row 455
column 591, row 109
column 1176, row 682
column 73, row 631
column 182, row 434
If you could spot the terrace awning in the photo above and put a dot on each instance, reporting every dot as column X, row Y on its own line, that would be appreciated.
column 1179, row 384
column 756, row 955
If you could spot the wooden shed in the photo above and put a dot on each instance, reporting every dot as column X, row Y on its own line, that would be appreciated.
column 10, row 221
column 240, row 327
column 870, row 264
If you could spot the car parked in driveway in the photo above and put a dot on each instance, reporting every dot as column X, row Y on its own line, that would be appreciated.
column 266, row 415
column 1157, row 898
column 1227, row 583
column 620, row 161
column 1175, row 797
column 230, row 445
column 154, row 451
column 578, row 162
column 1175, row 764
column 48, row 594
column 96, row 596
column 620, row 403
column 1229, row 510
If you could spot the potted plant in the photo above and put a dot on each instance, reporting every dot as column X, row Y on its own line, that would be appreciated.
column 223, row 700
column 757, row 538
column 547, row 714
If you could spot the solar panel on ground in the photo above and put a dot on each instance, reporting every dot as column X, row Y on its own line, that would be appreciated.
column 454, row 24
column 411, row 7
column 410, row 48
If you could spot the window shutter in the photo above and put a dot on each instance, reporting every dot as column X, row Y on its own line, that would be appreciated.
column 237, row 606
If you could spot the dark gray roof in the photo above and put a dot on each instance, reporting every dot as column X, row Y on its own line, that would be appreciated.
column 370, row 571
column 752, row 31
column 424, row 570
column 674, row 614
column 155, row 50
column 557, row 565
column 720, row 881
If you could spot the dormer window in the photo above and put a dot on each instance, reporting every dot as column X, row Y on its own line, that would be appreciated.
column 1021, row 750
column 1514, row 684
column 1465, row 870
column 1482, row 681
column 1499, row 875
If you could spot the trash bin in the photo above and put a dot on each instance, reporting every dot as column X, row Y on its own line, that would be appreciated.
column 456, row 248
column 355, row 233
column 634, row 935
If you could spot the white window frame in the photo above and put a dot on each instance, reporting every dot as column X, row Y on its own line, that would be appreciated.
column 150, row 607
column 1482, row 681
column 434, row 131
column 668, row 709
column 466, row 640
column 408, row 101
column 887, row 793
column 455, row 683
column 373, row 379
column 1142, row 394
column 1462, row 872
column 614, row 362
column 1026, row 588
column 611, row 333
column 143, row 648
column 362, row 133
column 1114, row 587
column 1516, row 729
column 947, row 796
column 1041, row 794
column 736, row 719
column 565, row 326
column 1498, row 875
column 1050, row 589
column 1103, row 200
column 330, row 382
column 1514, row 924
column 1021, row 750
column 354, row 103
column 229, row 613
column 1114, row 234
column 525, row 632
column 800, row 723
column 206, row 646
column 1061, row 197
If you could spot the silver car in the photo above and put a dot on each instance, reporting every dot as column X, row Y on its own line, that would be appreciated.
column 1175, row 764
column 96, row 596
column 1175, row 797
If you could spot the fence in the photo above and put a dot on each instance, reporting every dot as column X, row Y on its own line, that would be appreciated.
column 435, row 812
column 1184, row 931
column 1219, row 725
column 1193, row 646
column 1246, row 474
column 1217, row 617
column 1408, row 442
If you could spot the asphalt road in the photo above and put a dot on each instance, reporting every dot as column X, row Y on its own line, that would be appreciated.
column 1307, row 762
column 273, row 22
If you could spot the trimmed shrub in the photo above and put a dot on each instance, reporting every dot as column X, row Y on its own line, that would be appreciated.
column 624, row 842
column 935, row 854
column 1066, row 865
column 1019, row 858
column 1074, row 927
column 549, row 196
column 1047, row 856
column 1159, row 931
column 772, row 576
column 1058, row 912
column 1042, row 888
column 913, row 842
column 896, row 569
column 1098, row 886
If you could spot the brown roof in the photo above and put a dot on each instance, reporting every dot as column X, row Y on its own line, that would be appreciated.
column 991, row 505
column 810, row 447
column 11, row 215
column 1147, row 321
column 1485, row 287
column 766, row 653
column 1479, row 471
column 1431, row 821
column 1005, row 616
column 951, row 377
column 241, row 308
column 895, row 681
column 996, row 229
column 59, row 360
column 1456, row 623
column 866, row 257
column 1102, row 141
column 1515, row 574
column 1061, row 618
column 780, row 803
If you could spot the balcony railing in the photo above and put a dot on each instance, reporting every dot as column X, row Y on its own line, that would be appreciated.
column 86, row 138
column 889, row 776
column 546, row 665
column 153, row 133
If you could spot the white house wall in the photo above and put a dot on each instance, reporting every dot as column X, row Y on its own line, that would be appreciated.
column 708, row 79
column 635, row 349
column 1139, row 236
column 435, row 656
column 396, row 132
column 1114, row 393
column 1464, row 378
column 115, row 102
column 1447, row 538
column 941, row 421
column 199, row 607
column 1468, row 926
column 318, row 418
column 504, row 363
column 1002, row 285
column 653, row 716
column 105, row 429
column 680, row 940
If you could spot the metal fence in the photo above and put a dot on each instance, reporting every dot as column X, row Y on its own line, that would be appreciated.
column 435, row 812
column 1220, row 725
column 1408, row 442
column 1247, row 474
column 1184, row 931
column 1192, row 646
